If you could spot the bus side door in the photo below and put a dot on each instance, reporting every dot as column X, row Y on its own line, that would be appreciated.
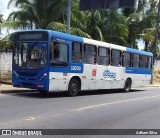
column 59, row 65
column 103, row 80
column 116, row 69
column 90, row 70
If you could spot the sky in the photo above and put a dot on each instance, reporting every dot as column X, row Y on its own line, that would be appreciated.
column 3, row 8
column 5, row 12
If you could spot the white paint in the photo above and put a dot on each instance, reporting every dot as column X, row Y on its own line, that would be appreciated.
column 116, row 102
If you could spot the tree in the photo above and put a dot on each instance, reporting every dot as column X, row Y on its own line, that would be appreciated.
column 78, row 22
column 148, row 36
column 108, row 26
column 48, row 14
column 36, row 13
column 95, row 25
column 143, row 16
column 116, row 29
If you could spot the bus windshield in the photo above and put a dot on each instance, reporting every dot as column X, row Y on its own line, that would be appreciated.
column 30, row 55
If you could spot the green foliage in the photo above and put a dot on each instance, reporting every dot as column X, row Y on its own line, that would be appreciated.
column 7, row 42
column 120, row 27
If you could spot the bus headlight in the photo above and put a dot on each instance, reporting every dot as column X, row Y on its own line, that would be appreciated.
column 45, row 74
column 42, row 77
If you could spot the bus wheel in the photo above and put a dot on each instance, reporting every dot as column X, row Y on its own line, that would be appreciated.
column 127, row 86
column 73, row 87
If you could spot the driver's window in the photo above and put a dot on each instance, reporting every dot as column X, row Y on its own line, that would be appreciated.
column 59, row 54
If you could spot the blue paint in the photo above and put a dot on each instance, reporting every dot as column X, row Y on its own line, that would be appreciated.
column 71, row 68
column 65, row 36
column 30, row 78
column 138, row 71
column 139, row 52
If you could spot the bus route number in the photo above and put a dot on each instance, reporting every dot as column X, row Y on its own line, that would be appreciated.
column 78, row 68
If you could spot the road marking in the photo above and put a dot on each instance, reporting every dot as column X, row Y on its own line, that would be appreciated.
column 73, row 110
column 116, row 102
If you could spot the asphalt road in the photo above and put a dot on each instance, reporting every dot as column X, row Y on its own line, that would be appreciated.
column 27, row 109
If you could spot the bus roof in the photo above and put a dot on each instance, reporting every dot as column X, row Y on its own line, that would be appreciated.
column 90, row 41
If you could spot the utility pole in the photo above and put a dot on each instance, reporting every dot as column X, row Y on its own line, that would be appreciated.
column 157, row 33
column 156, row 39
column 68, row 15
column 1, row 21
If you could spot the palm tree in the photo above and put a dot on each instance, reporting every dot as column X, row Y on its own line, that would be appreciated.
column 116, row 29
column 78, row 21
column 95, row 25
column 36, row 13
column 46, row 14
column 107, row 25
column 148, row 36
column 142, row 17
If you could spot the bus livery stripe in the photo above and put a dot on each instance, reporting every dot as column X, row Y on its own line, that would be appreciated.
column 138, row 71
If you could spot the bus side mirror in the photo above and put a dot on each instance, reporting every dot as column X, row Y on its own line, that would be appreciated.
column 54, row 42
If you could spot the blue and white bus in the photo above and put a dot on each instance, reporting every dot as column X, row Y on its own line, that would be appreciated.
column 51, row 61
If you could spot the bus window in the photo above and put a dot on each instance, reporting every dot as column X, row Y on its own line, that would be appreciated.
column 116, row 58
column 103, row 56
column 143, row 62
column 89, row 54
column 59, row 54
column 136, row 60
column 149, row 62
column 126, row 59
column 76, row 52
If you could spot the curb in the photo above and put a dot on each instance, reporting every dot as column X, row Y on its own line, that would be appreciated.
column 153, row 86
column 5, row 82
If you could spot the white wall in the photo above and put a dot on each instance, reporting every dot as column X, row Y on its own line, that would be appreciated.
column 5, row 66
column 157, row 65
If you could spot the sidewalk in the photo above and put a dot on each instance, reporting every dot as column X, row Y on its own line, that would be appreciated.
column 6, row 87
column 154, row 85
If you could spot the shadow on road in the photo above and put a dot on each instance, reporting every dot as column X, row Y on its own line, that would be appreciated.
column 36, row 94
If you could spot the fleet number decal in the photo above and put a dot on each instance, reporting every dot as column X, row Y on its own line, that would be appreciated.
column 76, row 68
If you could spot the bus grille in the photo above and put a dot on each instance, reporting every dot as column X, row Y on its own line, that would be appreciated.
column 27, row 74
column 26, row 84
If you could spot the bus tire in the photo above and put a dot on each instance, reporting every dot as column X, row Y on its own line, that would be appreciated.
column 127, row 86
column 73, row 87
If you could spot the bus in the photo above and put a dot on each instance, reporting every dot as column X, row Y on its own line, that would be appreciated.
column 51, row 61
